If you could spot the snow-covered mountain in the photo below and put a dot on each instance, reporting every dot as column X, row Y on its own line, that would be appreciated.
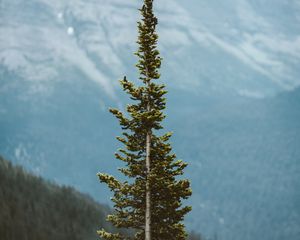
column 248, row 47
column 232, row 68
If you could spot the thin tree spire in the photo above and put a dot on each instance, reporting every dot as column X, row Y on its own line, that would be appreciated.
column 150, row 204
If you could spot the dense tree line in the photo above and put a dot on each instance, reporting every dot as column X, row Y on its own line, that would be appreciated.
column 34, row 209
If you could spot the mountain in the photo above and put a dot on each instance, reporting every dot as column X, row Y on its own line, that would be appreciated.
column 243, row 153
column 231, row 69
column 239, row 46
column 245, row 164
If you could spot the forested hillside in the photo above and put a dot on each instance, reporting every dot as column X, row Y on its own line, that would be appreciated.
column 34, row 209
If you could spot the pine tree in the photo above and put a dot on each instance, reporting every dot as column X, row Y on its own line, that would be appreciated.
column 150, row 201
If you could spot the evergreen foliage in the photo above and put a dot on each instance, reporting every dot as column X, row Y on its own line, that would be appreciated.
column 33, row 209
column 159, row 176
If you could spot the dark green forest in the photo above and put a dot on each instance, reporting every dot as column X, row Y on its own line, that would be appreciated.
column 32, row 208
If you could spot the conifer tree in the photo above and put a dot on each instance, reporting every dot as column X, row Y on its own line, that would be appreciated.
column 150, row 201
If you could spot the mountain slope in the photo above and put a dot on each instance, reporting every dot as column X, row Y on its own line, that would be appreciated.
column 245, row 166
column 31, row 208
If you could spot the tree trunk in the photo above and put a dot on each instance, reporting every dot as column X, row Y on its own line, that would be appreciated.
column 148, row 191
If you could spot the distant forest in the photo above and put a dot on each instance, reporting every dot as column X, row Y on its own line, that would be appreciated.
column 34, row 209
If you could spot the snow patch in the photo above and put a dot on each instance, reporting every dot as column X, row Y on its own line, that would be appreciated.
column 70, row 31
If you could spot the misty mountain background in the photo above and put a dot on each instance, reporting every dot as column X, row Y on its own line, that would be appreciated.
column 232, row 71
